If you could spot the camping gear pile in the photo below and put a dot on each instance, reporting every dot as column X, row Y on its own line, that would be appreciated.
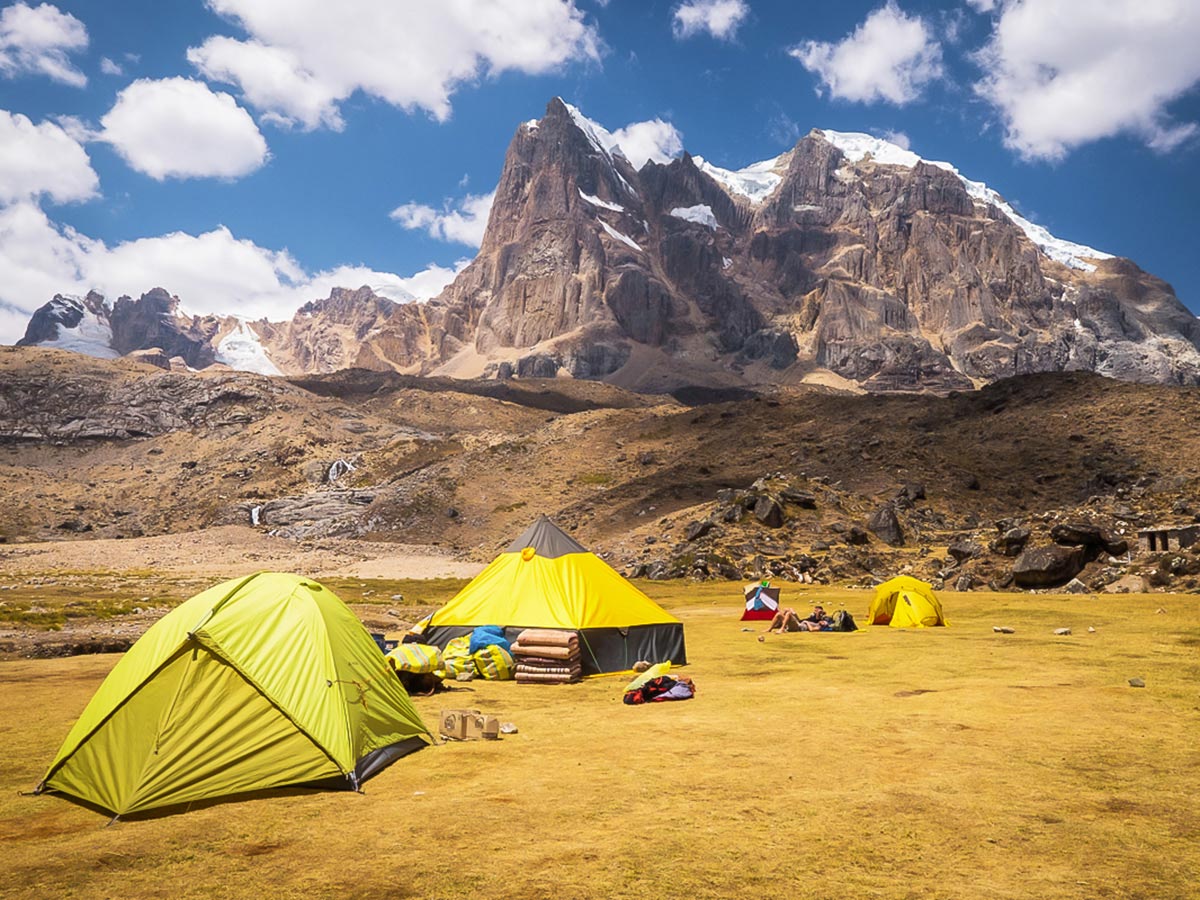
column 762, row 601
column 484, row 653
column 260, row 682
column 545, row 579
column 656, row 685
column 419, row 667
column 544, row 656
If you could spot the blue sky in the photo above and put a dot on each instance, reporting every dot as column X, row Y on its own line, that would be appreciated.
column 247, row 155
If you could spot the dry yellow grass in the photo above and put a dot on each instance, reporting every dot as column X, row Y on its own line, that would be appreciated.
column 945, row 763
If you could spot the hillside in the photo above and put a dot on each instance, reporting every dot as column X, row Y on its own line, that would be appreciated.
column 92, row 448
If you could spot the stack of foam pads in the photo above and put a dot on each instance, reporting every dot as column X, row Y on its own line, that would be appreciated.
column 544, row 656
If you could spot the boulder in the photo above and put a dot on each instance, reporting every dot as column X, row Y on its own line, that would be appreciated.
column 1075, row 586
column 1047, row 566
column 697, row 530
column 1077, row 534
column 1013, row 541
column 964, row 550
column 1091, row 536
column 885, row 525
column 857, row 535
column 799, row 498
column 768, row 511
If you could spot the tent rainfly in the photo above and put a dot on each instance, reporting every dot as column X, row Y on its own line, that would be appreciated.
column 905, row 602
column 260, row 682
column 545, row 579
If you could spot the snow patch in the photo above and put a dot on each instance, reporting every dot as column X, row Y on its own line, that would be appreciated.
column 623, row 238
column 857, row 147
column 755, row 182
column 532, row 124
column 726, row 262
column 600, row 138
column 241, row 350
column 596, row 201
column 701, row 214
column 91, row 337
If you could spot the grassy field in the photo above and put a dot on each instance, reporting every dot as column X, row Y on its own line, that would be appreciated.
column 943, row 763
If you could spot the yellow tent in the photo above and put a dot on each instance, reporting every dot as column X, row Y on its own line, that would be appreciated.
column 545, row 579
column 259, row 682
column 905, row 602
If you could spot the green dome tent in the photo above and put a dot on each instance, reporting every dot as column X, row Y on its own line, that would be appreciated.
column 259, row 682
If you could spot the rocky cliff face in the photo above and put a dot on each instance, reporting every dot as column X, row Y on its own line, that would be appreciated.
column 846, row 260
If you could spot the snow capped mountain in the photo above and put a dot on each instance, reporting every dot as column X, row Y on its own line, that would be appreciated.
column 241, row 349
column 847, row 260
column 858, row 147
column 79, row 328
column 755, row 182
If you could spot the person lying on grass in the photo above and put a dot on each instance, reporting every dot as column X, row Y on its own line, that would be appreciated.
column 789, row 620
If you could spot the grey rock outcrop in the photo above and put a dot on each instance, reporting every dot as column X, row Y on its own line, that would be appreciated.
column 885, row 525
column 1048, row 566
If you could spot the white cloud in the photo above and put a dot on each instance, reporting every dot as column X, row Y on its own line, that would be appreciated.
column 899, row 138
column 272, row 79
column 306, row 56
column 109, row 67
column 178, row 128
column 982, row 6
column 214, row 272
column 1064, row 73
column 38, row 40
column 40, row 160
column 720, row 18
column 653, row 139
column 890, row 56
column 462, row 222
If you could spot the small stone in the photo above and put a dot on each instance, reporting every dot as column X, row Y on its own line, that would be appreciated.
column 1003, row 629
column 1062, row 631
column 508, row 728
column 1160, row 612
column 465, row 676
column 1137, row 682
column 747, row 629
column 762, row 638
column 1091, row 629
column 395, row 614
column 397, row 596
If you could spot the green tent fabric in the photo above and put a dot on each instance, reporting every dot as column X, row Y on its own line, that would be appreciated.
column 260, row 682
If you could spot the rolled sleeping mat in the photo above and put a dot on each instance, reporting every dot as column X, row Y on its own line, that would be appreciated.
column 544, row 651
column 545, row 678
column 549, row 637
column 576, row 670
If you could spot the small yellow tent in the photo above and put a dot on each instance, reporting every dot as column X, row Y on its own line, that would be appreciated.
column 546, row 579
column 905, row 602
column 259, row 682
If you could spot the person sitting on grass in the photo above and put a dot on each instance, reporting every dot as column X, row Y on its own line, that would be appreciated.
column 789, row 620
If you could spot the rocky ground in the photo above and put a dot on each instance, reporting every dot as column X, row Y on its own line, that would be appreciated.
column 1026, row 484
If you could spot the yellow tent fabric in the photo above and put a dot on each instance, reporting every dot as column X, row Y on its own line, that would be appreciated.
column 905, row 602
column 545, row 579
column 256, row 683
column 573, row 591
